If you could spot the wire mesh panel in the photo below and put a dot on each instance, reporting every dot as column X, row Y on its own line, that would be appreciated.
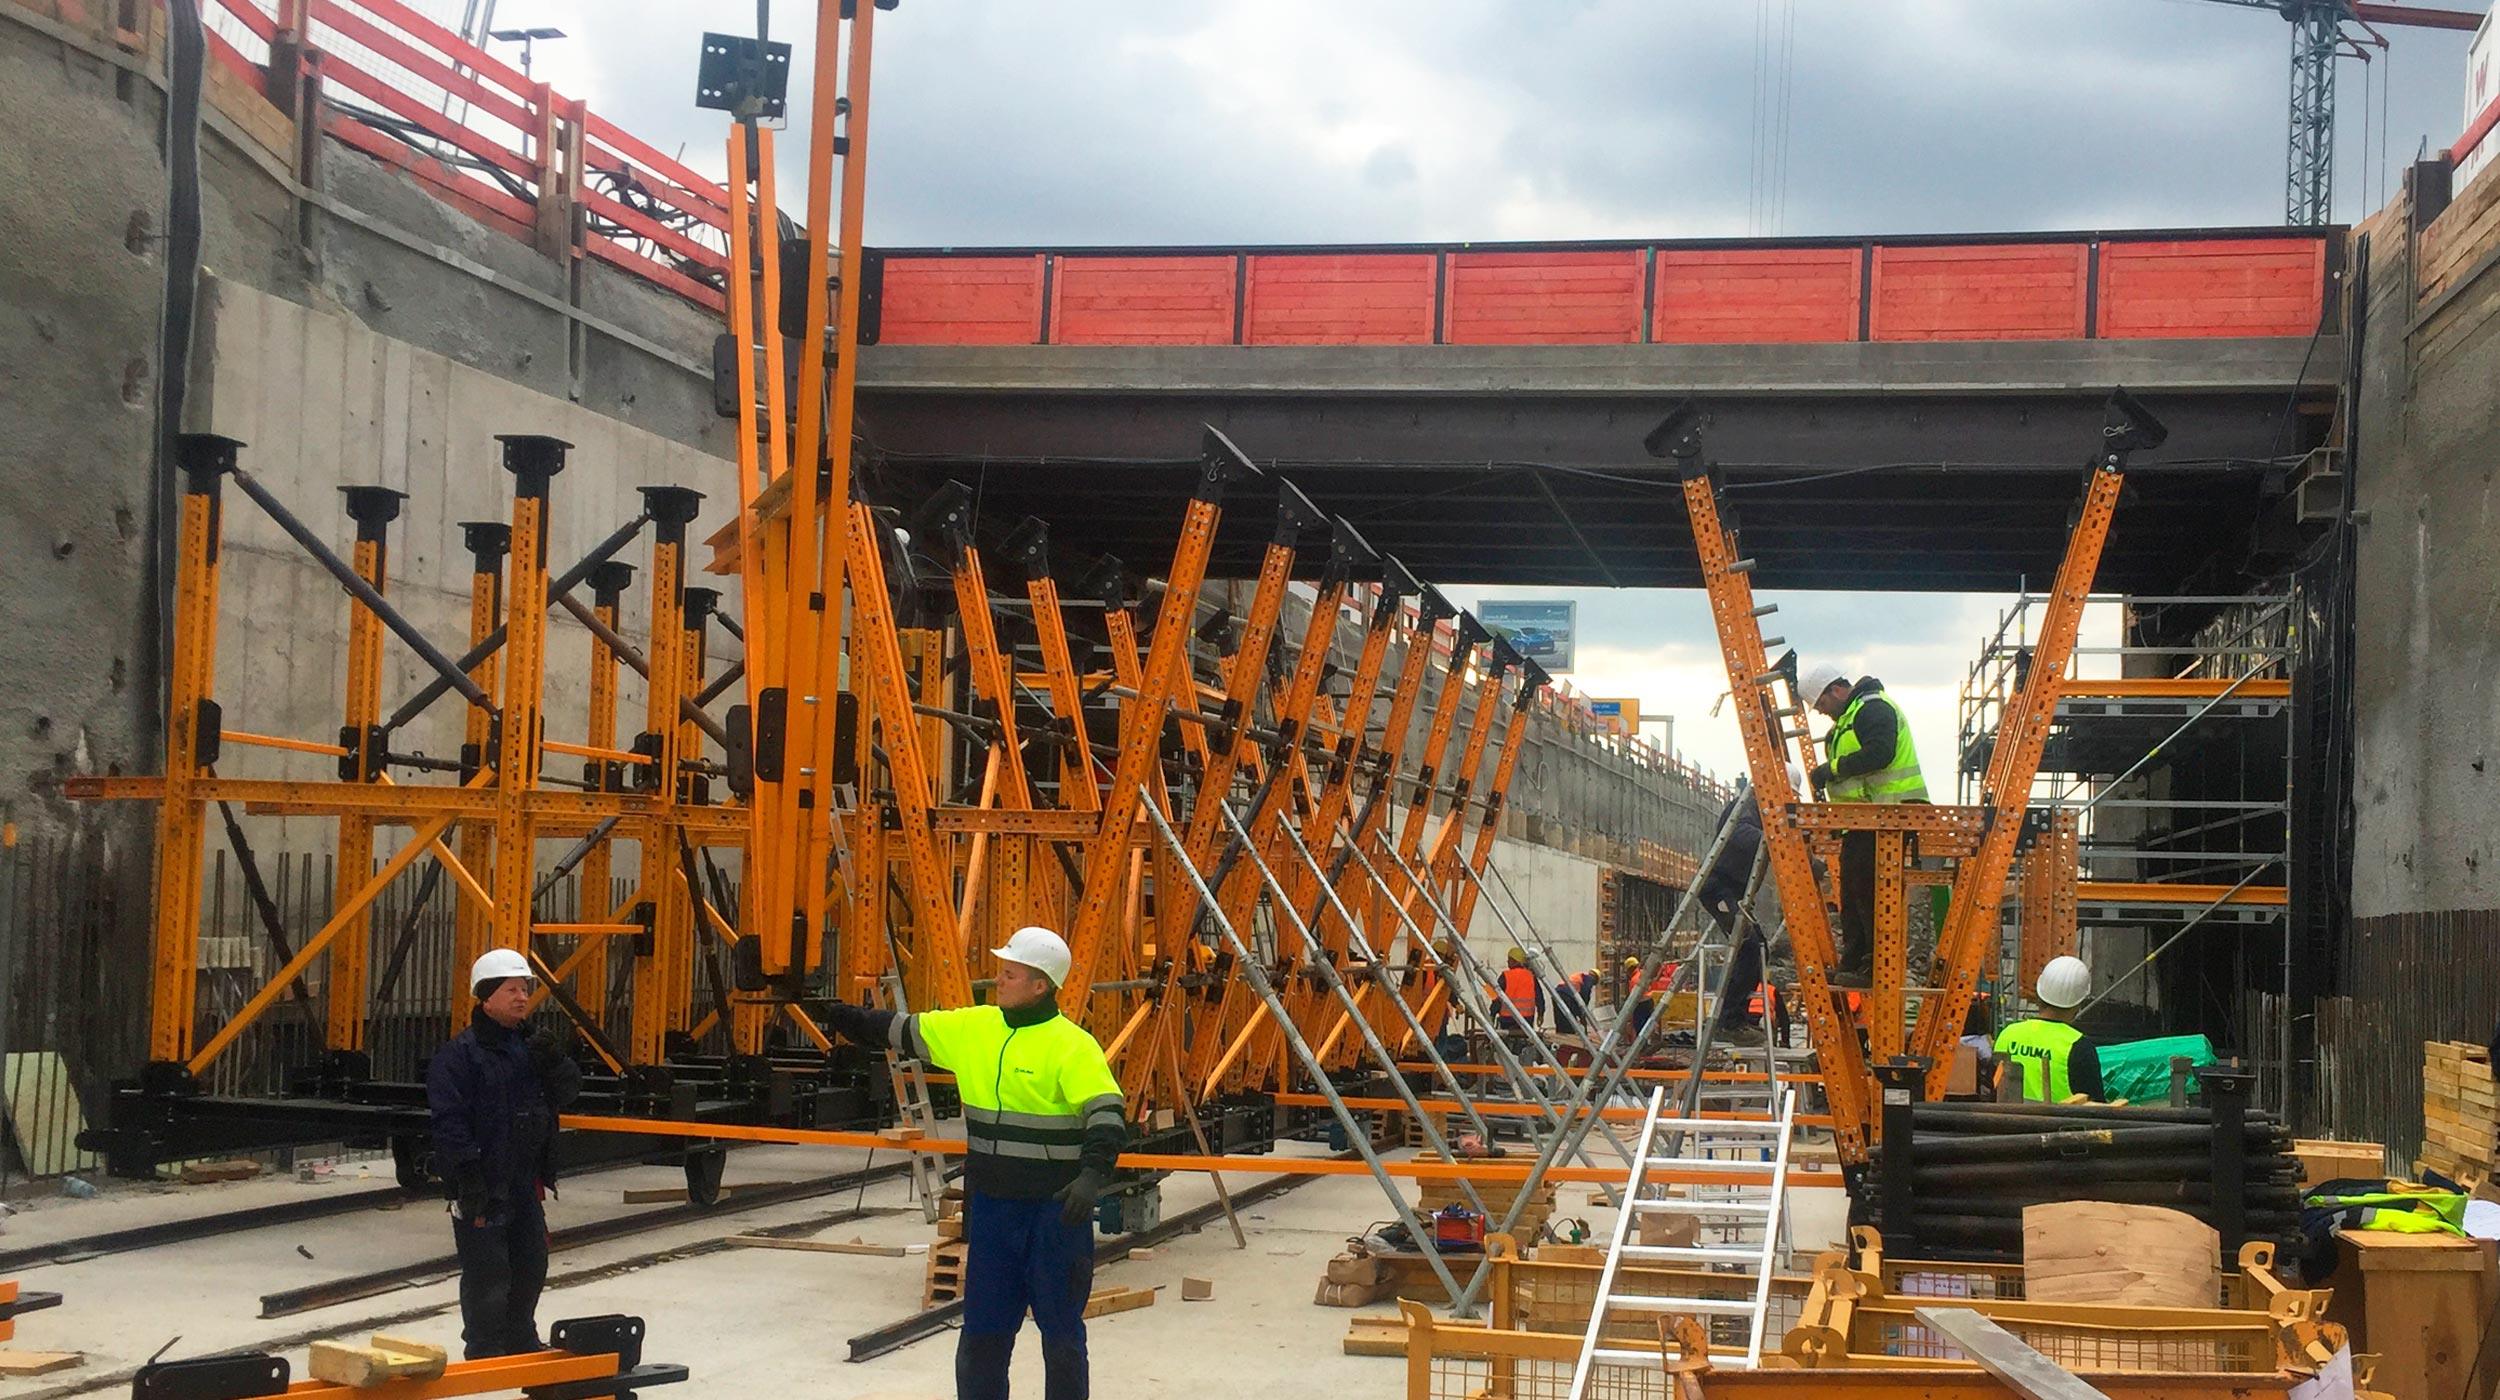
column 2234, row 1348
column 1457, row 1375
column 1556, row 1297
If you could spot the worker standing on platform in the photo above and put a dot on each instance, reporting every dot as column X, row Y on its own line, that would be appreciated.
column 2056, row 1060
column 494, row 1093
column 1044, row 1123
column 1873, row 760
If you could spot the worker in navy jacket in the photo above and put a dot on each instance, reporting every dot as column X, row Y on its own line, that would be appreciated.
column 494, row 1092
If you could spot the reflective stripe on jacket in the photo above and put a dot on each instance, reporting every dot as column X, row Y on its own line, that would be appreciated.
column 1030, row 1093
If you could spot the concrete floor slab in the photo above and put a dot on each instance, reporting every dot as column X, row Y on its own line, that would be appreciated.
column 747, row 1321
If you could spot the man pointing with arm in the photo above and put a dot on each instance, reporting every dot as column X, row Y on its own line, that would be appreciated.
column 1044, row 1124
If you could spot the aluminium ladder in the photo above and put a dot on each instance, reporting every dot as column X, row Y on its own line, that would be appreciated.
column 1766, row 1140
column 913, row 1110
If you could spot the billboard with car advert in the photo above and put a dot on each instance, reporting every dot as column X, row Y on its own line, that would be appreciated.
column 1537, row 629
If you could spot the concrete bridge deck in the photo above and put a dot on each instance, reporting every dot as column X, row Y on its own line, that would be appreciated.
column 1523, row 464
column 1894, row 413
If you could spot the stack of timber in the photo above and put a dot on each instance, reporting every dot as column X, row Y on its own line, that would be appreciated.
column 1497, row 1197
column 2460, row 1111
column 1975, row 1167
column 944, row 1282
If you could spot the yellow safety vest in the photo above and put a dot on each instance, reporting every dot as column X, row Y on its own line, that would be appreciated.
column 1898, row 780
column 2042, row 1049
column 1029, row 1093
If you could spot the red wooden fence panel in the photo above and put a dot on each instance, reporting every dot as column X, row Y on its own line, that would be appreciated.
column 1338, row 299
column 2213, row 287
column 1756, row 296
column 1553, row 298
column 2002, row 291
column 1142, row 301
column 961, row 301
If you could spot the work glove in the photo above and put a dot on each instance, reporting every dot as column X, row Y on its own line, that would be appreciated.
column 470, row 1203
column 1077, row 1199
column 548, row 1048
column 1820, row 778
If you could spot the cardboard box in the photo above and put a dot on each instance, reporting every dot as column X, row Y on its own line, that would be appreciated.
column 1359, row 1270
column 1350, row 1295
column 2323, row 1159
column 1675, row 1231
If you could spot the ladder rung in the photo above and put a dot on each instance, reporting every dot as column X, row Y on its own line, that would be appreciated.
column 1693, row 1254
column 1769, row 642
column 1651, row 1302
column 1618, row 1356
column 1718, row 1125
column 1677, row 1205
column 1766, row 610
column 1721, row 1164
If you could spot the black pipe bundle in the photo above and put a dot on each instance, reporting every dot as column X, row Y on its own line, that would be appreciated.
column 1951, row 1180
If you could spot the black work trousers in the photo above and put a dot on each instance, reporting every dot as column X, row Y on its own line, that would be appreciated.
column 1857, row 902
column 503, row 1267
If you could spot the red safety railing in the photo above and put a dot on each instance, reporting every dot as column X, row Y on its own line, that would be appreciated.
column 484, row 137
column 2212, row 283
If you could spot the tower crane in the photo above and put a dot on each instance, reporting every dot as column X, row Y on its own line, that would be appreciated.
column 2320, row 35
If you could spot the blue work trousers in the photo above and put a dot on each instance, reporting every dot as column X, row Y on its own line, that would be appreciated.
column 1019, row 1258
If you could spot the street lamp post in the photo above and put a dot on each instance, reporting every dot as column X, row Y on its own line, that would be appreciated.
column 527, row 39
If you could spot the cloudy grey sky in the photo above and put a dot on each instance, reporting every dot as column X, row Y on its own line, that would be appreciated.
column 1248, row 121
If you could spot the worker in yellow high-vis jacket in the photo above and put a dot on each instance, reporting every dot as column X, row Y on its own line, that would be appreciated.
column 1044, row 1123
column 1872, row 760
column 2056, row 1061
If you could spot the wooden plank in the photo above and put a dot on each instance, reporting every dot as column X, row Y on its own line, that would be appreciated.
column 1543, row 298
column 2003, row 1355
column 880, row 1251
column 44, row 1363
column 2105, row 1252
column 960, row 301
column 2013, row 291
column 1184, row 300
column 1338, row 299
column 1756, row 296
column 1106, row 1301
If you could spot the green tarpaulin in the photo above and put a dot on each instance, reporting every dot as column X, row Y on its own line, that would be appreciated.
column 2139, row 1071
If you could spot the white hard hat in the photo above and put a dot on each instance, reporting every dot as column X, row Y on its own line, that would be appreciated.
column 1039, row 949
column 2064, row 983
column 1796, row 776
column 498, row 964
column 1818, row 680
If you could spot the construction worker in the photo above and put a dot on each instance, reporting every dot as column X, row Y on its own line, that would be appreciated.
column 1044, row 1123
column 1518, row 1001
column 1572, row 1002
column 2056, row 1061
column 1873, row 760
column 1722, row 895
column 494, row 1093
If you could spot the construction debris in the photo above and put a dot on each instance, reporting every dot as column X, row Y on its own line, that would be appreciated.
column 852, row 1246
column 1105, row 1301
column 1197, row 1290
column 208, row 1173
column 386, row 1358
